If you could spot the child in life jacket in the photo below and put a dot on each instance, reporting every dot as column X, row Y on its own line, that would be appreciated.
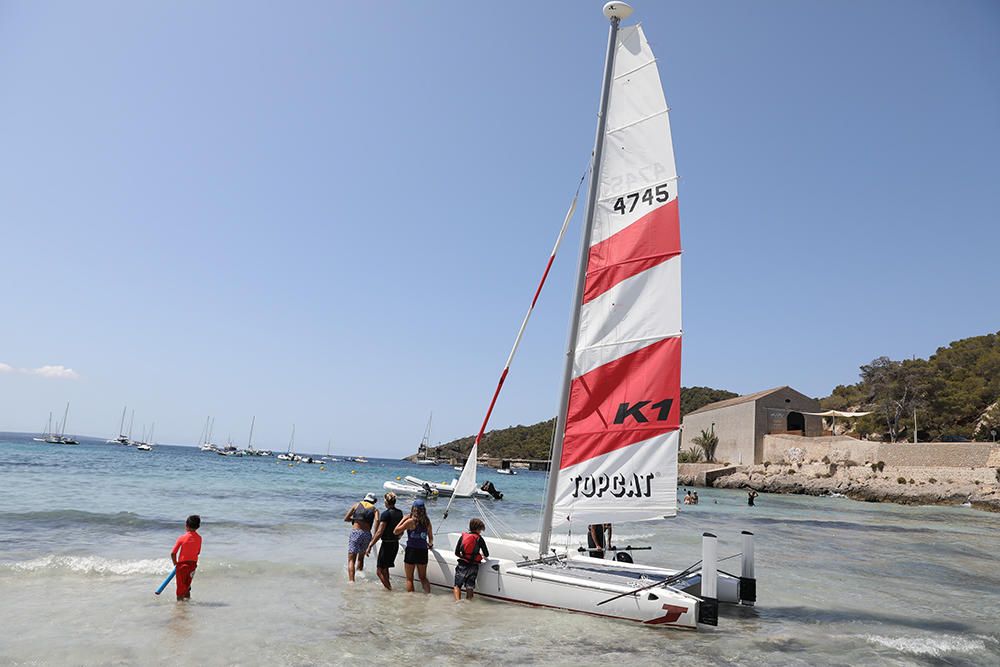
column 471, row 550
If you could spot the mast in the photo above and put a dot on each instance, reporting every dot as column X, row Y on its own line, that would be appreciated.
column 62, row 430
column 615, row 11
column 131, row 419
column 250, row 439
column 121, row 425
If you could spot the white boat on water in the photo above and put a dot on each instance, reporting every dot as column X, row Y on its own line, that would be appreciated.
column 206, row 436
column 422, row 450
column 289, row 455
column 449, row 489
column 122, row 439
column 614, row 451
column 407, row 489
column 506, row 471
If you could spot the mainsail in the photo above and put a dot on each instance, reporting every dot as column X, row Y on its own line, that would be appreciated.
column 615, row 458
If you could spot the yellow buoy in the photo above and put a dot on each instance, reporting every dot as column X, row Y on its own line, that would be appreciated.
column 397, row 478
column 289, row 465
column 353, row 472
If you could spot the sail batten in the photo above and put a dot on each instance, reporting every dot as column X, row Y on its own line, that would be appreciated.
column 618, row 455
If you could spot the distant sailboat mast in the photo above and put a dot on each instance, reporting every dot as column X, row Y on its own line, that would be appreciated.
column 62, row 429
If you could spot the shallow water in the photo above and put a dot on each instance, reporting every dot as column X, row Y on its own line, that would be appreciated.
column 85, row 532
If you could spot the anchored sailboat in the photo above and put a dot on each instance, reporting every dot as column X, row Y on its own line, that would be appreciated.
column 615, row 445
column 422, row 458
column 290, row 454
column 122, row 439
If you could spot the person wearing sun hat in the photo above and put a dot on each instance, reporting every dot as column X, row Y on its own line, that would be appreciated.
column 363, row 516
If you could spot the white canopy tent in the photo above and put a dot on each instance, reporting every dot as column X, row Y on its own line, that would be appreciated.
column 833, row 414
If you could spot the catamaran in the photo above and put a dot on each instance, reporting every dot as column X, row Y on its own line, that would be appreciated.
column 614, row 450
column 147, row 445
column 122, row 439
column 206, row 436
column 61, row 438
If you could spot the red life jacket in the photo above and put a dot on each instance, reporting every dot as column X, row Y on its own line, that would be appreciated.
column 468, row 544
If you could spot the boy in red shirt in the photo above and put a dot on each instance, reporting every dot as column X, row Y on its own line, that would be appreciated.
column 185, row 556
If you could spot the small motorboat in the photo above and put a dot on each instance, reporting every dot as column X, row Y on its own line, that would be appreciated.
column 407, row 489
column 506, row 471
column 445, row 489
column 143, row 447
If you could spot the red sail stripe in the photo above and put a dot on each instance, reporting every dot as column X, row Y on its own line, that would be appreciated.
column 632, row 388
column 652, row 239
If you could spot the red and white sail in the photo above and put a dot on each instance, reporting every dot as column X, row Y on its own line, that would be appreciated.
column 619, row 452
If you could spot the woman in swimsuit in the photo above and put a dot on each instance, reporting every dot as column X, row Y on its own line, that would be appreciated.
column 419, row 540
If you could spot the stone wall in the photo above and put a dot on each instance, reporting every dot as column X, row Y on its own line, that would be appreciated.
column 796, row 449
column 936, row 454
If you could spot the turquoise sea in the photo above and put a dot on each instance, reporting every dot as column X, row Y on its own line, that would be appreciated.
column 85, row 534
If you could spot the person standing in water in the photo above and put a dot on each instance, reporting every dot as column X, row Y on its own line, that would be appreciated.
column 598, row 537
column 419, row 540
column 751, row 494
column 386, row 531
column 470, row 550
column 185, row 556
column 362, row 516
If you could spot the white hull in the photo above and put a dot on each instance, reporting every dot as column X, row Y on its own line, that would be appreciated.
column 446, row 490
column 580, row 587
column 401, row 488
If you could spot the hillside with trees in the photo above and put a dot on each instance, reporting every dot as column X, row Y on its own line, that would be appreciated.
column 532, row 442
column 955, row 393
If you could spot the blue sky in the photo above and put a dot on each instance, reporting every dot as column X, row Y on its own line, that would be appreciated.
column 333, row 214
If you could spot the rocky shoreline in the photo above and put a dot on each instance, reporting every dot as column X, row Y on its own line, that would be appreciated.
column 871, row 483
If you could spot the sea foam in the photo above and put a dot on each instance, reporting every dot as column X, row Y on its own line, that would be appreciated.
column 932, row 646
column 89, row 565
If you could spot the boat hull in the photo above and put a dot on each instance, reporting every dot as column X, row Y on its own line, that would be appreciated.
column 556, row 586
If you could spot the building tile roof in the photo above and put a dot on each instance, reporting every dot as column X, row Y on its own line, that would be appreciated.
column 739, row 399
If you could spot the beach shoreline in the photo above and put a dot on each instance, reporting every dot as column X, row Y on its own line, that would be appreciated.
column 902, row 485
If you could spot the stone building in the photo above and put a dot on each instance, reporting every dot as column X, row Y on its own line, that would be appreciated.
column 742, row 422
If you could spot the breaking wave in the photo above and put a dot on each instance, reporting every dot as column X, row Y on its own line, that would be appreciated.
column 91, row 565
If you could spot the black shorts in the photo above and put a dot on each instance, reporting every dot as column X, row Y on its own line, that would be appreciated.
column 415, row 556
column 465, row 575
column 387, row 554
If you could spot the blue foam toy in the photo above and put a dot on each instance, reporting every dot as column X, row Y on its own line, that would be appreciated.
column 166, row 581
